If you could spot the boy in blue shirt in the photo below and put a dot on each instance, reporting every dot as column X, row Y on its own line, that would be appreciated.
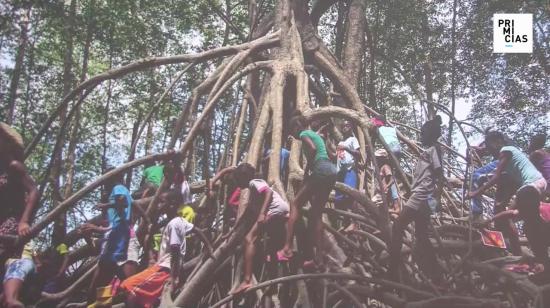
column 117, row 234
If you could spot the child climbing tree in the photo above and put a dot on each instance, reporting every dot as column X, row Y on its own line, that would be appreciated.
column 216, row 83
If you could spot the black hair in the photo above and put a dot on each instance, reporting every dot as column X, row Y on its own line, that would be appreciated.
column 243, row 174
column 497, row 136
column 298, row 121
column 537, row 142
column 431, row 131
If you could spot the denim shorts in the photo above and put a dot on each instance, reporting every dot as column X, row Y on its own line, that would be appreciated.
column 323, row 174
column 18, row 269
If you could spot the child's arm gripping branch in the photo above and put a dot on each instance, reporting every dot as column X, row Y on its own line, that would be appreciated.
column 142, row 213
column 218, row 176
column 502, row 161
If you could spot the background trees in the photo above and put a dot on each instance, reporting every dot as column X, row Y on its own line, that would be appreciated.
column 403, row 59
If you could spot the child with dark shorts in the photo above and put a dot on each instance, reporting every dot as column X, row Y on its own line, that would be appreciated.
column 318, row 183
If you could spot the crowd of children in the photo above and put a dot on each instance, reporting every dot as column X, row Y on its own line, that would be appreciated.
column 120, row 256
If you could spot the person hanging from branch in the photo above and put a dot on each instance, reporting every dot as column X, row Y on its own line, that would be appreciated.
column 143, row 289
column 273, row 214
column 18, row 192
column 319, row 179
column 531, row 185
column 428, row 181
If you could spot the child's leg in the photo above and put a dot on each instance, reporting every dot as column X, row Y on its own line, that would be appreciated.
column 14, row 277
column 427, row 261
column 303, row 195
column 11, row 293
column 318, row 201
column 398, row 230
column 249, row 252
column 102, row 276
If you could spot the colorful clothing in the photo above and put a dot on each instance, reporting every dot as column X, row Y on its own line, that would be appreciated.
column 348, row 177
column 520, row 169
column 277, row 205
column 477, row 207
column 321, row 150
column 389, row 134
column 19, row 269
column 187, row 212
column 323, row 174
column 234, row 198
column 22, row 267
column 154, row 174
column 173, row 234
column 345, row 160
column 115, row 247
column 147, row 285
column 113, row 215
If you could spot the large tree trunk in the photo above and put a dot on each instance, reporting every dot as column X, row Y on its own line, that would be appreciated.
column 453, row 76
column 19, row 58
column 60, row 225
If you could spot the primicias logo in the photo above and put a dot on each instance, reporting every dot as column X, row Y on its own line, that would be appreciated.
column 513, row 33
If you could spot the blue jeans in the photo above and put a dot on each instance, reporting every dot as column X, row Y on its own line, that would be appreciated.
column 348, row 177
column 477, row 207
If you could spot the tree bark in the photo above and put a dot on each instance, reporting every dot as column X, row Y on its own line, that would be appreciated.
column 59, row 228
column 19, row 59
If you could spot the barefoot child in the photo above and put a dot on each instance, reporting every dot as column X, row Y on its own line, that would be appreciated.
column 319, row 180
column 272, row 208
column 144, row 288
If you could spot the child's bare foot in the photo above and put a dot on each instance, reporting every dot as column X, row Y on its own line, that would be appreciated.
column 241, row 288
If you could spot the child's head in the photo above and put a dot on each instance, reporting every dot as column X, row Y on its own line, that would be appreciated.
column 494, row 141
column 298, row 123
column 243, row 174
column 11, row 143
column 347, row 128
column 537, row 142
column 431, row 131
column 381, row 156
